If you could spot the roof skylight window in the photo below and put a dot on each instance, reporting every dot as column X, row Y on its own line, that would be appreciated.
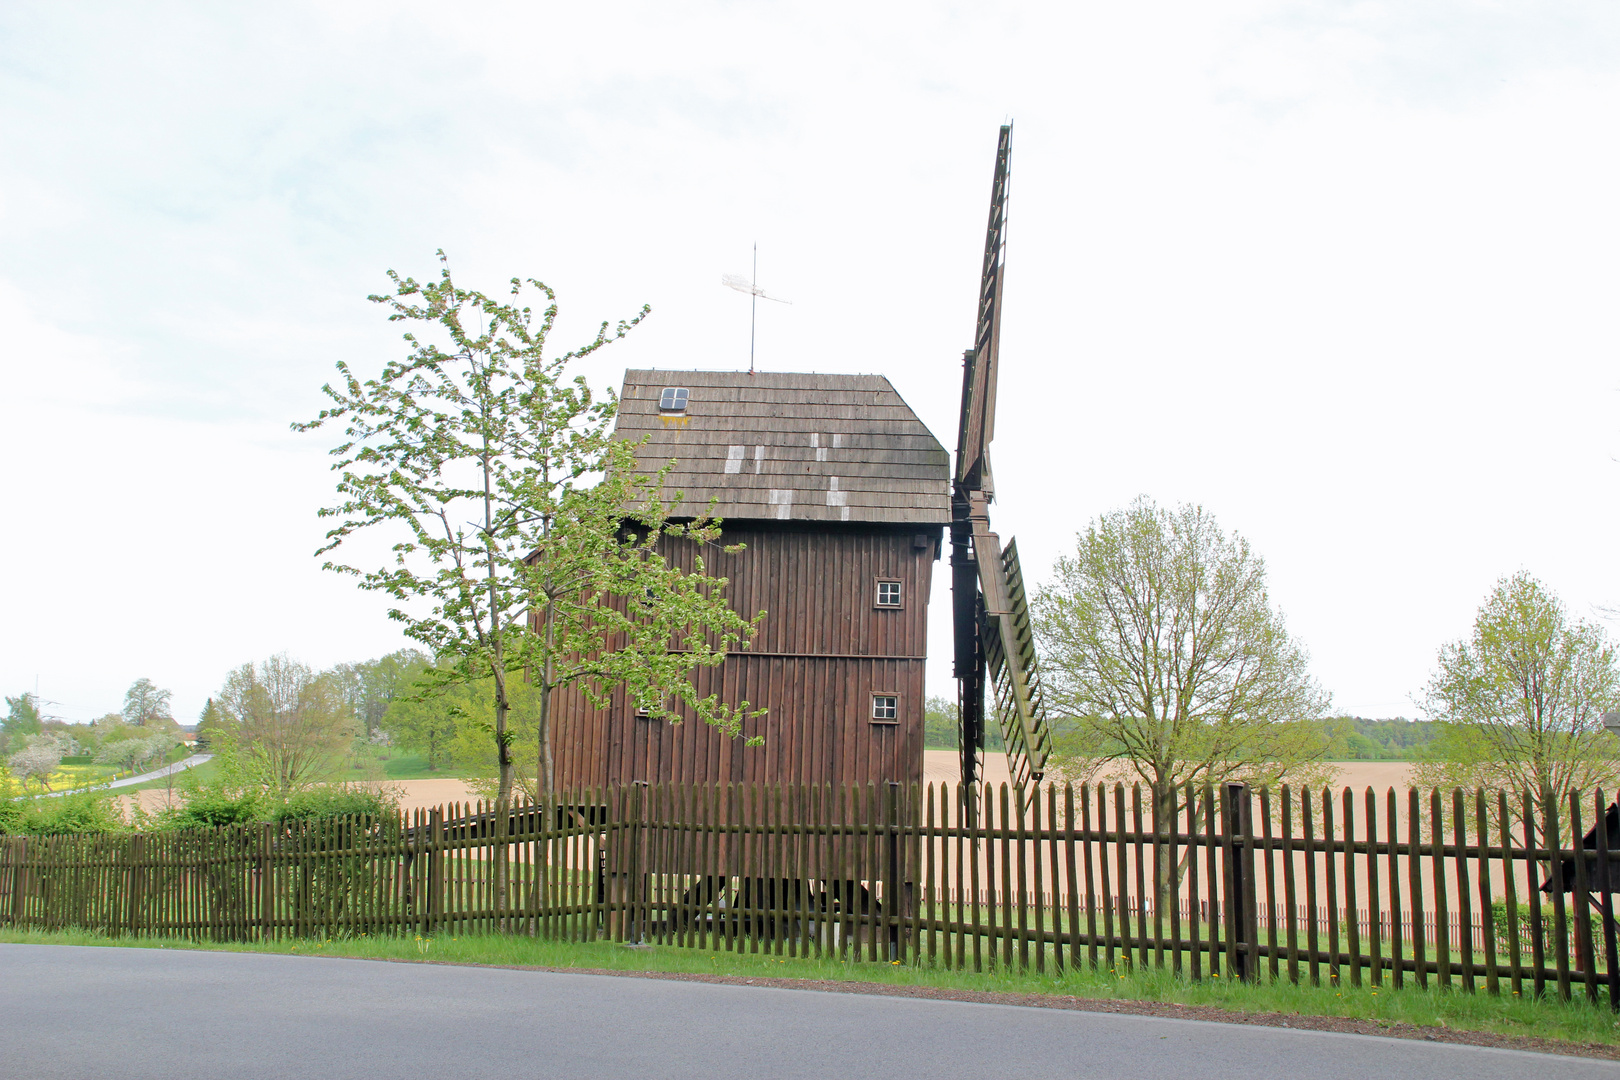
column 673, row 399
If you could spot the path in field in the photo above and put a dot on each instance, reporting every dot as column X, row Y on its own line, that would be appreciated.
column 150, row 1014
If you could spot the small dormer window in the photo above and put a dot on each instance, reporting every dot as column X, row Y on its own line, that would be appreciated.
column 673, row 399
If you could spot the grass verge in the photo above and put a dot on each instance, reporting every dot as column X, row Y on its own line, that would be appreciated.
column 1525, row 1022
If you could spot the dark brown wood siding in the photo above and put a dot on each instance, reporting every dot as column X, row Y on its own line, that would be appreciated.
column 822, row 651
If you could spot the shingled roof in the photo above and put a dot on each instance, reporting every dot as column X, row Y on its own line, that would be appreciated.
column 790, row 446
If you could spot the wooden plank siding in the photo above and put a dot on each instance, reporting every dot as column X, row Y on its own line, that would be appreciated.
column 823, row 649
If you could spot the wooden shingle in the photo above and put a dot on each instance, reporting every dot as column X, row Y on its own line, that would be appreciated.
column 793, row 447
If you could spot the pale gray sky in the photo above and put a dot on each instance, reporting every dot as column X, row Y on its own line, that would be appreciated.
column 1343, row 273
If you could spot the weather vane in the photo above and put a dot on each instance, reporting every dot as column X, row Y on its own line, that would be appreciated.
column 750, row 285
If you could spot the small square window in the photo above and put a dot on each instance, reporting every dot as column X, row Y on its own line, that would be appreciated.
column 885, row 709
column 673, row 399
column 888, row 594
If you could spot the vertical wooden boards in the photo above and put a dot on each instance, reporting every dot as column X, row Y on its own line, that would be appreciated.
column 1603, row 874
column 1087, row 844
column 1442, row 900
column 1482, row 836
column 1414, row 870
column 1271, row 882
column 1102, row 861
column 1538, row 955
column 1142, row 901
column 1312, row 954
column 1352, row 918
column 1465, row 907
column 1583, row 901
column 1211, row 845
column 1392, row 831
column 1375, row 903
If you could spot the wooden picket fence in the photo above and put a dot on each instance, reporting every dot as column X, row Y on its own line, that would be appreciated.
column 1429, row 888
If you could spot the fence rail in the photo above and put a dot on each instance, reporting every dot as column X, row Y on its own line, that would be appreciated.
column 1425, row 887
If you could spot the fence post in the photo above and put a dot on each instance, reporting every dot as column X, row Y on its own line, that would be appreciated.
column 435, row 868
column 1240, row 900
column 19, row 878
column 891, row 871
column 267, row 895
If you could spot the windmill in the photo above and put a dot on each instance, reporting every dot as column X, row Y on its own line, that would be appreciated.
column 995, row 646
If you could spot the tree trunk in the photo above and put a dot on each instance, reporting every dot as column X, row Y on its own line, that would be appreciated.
column 503, row 795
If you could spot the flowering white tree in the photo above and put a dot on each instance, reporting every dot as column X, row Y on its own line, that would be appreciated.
column 37, row 760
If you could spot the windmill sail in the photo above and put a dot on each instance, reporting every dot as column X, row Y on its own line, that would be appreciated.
column 995, row 645
column 1009, row 650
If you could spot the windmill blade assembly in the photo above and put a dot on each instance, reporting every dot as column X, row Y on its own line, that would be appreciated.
column 994, row 638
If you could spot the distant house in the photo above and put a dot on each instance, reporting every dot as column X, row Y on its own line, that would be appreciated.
column 841, row 495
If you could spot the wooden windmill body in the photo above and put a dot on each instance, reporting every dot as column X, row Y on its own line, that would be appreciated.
column 839, row 496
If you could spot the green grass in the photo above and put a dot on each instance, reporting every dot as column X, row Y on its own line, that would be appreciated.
column 1575, row 1021
column 401, row 766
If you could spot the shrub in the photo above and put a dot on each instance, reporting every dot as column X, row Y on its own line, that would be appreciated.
column 86, row 812
column 315, row 804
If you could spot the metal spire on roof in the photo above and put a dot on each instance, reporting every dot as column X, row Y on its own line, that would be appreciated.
column 750, row 285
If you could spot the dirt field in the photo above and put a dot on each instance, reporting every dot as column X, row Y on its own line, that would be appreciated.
column 942, row 767
column 939, row 767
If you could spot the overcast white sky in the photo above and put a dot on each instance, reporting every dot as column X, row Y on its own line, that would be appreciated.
column 1343, row 273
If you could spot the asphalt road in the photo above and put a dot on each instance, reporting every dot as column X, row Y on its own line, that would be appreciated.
column 176, row 1015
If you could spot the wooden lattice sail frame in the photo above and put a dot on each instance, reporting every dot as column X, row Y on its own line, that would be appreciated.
column 994, row 639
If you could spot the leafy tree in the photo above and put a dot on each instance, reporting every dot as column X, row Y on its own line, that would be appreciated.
column 371, row 686
column 36, row 761
column 1362, row 748
column 212, row 727
column 423, row 719
column 1163, row 655
column 942, row 729
column 515, row 503
column 136, row 754
column 287, row 719
column 146, row 704
column 22, row 720
column 1397, row 739
column 1519, row 703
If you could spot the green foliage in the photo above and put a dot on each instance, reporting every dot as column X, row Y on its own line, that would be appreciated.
column 372, row 686
column 146, row 704
column 83, row 812
column 1519, row 702
column 1162, row 653
column 424, row 717
column 136, row 754
column 335, row 801
column 942, row 730
column 243, row 792
column 22, row 720
column 1384, row 740
column 211, row 808
column 288, row 719
column 212, row 726
column 511, row 499
column 1504, row 938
